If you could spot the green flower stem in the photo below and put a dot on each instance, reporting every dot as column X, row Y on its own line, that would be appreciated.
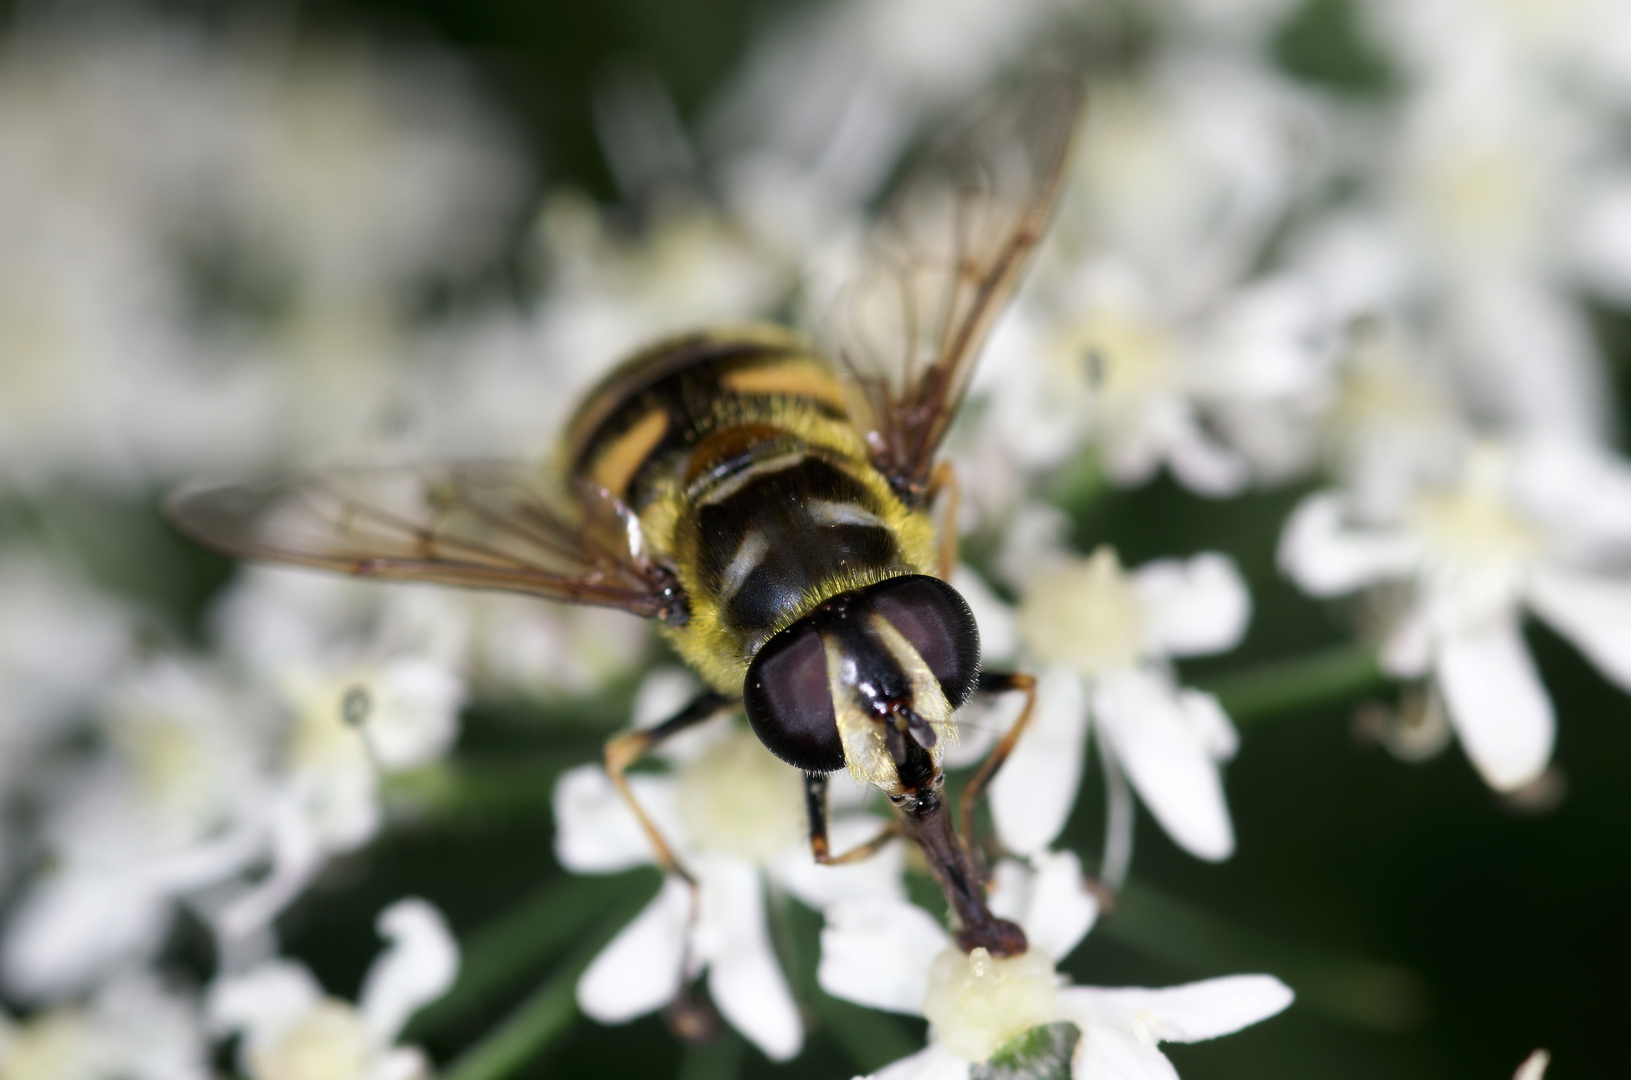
column 1366, row 993
column 1301, row 682
column 498, row 956
column 544, row 1016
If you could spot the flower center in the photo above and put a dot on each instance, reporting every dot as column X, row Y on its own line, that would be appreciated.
column 977, row 1003
column 1474, row 526
column 1483, row 197
column 739, row 799
column 1086, row 614
column 50, row 1046
column 1124, row 357
column 330, row 1043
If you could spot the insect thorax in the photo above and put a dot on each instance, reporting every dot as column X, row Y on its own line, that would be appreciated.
column 736, row 450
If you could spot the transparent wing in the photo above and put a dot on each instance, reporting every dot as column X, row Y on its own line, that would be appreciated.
column 939, row 267
column 484, row 524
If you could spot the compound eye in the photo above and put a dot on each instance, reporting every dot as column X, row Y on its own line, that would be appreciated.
column 936, row 619
column 789, row 701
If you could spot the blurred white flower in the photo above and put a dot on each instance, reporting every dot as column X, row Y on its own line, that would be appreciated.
column 293, row 1031
column 1104, row 355
column 368, row 682
column 889, row 954
column 734, row 816
column 173, row 806
column 352, row 723
column 1484, row 205
column 1104, row 637
column 1529, row 526
column 133, row 1027
column 1185, row 173
column 1578, row 45
column 1534, row 1066
column 61, row 642
column 828, row 100
column 235, row 284
column 1392, row 424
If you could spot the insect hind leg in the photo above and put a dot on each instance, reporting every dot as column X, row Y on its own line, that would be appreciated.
column 624, row 750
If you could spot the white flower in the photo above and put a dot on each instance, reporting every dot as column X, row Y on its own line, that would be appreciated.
column 1534, row 1066
column 60, row 645
column 891, row 955
column 1519, row 527
column 352, row 723
column 1105, row 351
column 172, row 807
column 292, row 1031
column 734, row 816
column 1105, row 636
column 133, row 1027
column 367, row 683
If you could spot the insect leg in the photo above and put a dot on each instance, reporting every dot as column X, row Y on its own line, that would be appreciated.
column 624, row 750
column 996, row 682
column 945, row 478
column 815, row 801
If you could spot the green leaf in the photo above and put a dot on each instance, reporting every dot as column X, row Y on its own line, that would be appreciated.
column 1042, row 1053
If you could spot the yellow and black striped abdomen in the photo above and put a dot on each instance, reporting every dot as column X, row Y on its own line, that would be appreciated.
column 736, row 451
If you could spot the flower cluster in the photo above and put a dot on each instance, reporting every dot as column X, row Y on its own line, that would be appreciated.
column 1370, row 307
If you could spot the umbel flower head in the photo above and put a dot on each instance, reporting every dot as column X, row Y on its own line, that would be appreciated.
column 892, row 955
column 292, row 1031
column 734, row 816
column 1531, row 526
column 1105, row 636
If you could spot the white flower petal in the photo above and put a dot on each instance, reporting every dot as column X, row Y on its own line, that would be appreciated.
column 877, row 953
column 1325, row 556
column 1408, row 651
column 1112, row 1052
column 640, row 970
column 417, row 968
column 415, row 712
column 263, row 1002
column 1202, row 465
column 819, row 887
column 1497, row 705
column 72, row 928
column 1032, row 795
column 999, row 637
column 743, row 977
column 747, row 984
column 933, row 1062
column 1188, row 1013
column 595, row 830
column 1049, row 899
column 1592, row 612
column 1169, row 741
column 1194, row 607
column 1534, row 1066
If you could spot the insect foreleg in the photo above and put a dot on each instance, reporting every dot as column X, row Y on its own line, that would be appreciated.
column 624, row 750
column 815, row 801
column 996, row 682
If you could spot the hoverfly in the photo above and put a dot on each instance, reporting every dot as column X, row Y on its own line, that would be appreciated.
column 769, row 502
